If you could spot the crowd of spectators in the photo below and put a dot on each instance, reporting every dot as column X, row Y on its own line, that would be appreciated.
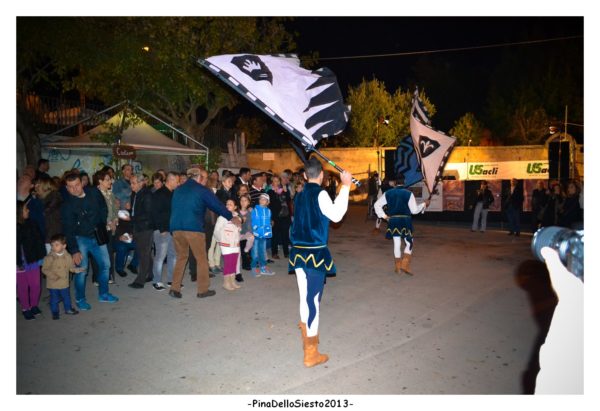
column 73, row 227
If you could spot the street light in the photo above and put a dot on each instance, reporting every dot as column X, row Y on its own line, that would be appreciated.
column 468, row 152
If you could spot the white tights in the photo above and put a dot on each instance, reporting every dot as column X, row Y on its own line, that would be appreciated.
column 397, row 243
column 302, row 280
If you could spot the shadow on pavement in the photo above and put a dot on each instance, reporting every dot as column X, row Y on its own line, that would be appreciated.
column 532, row 276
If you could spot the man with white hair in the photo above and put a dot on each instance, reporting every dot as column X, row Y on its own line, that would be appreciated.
column 188, row 209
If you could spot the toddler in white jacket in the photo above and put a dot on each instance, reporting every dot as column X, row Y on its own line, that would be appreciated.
column 227, row 236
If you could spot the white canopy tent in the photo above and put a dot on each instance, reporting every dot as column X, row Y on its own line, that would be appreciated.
column 140, row 135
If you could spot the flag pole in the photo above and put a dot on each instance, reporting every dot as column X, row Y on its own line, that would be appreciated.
column 204, row 63
column 332, row 164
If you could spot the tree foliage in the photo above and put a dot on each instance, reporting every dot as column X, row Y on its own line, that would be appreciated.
column 150, row 61
column 532, row 86
column 467, row 128
column 371, row 103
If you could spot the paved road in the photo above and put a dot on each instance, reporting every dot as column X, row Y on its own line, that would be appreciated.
column 468, row 322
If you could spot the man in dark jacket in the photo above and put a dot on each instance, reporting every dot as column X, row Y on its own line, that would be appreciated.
column 256, row 189
column 482, row 203
column 163, row 241
column 243, row 178
column 539, row 199
column 83, row 214
column 514, row 206
column 188, row 207
column 141, row 218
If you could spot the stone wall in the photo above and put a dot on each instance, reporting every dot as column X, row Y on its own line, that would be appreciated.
column 360, row 160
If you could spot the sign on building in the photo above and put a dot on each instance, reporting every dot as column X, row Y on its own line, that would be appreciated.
column 501, row 170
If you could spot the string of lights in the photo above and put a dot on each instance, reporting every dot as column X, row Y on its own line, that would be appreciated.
column 487, row 46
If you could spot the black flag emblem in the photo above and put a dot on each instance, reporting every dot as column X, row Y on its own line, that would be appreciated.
column 254, row 67
column 427, row 146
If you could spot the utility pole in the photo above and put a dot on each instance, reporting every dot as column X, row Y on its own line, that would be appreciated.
column 385, row 121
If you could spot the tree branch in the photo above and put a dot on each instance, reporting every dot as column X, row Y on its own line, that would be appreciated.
column 174, row 114
column 212, row 113
column 163, row 114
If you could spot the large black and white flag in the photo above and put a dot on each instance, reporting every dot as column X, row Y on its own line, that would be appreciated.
column 419, row 110
column 432, row 146
column 307, row 103
column 407, row 162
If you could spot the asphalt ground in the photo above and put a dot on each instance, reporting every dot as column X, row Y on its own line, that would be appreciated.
column 470, row 321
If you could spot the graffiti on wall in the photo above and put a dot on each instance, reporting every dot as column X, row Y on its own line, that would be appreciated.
column 178, row 163
column 64, row 160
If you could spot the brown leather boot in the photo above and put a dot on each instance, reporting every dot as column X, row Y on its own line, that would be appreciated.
column 397, row 264
column 302, row 327
column 312, row 356
column 406, row 264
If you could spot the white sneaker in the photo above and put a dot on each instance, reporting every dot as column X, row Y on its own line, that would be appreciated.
column 158, row 286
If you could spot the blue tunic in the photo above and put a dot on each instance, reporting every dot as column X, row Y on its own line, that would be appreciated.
column 309, row 233
column 400, row 222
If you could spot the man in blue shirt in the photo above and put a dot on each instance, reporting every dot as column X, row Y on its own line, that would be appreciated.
column 188, row 207
column 122, row 187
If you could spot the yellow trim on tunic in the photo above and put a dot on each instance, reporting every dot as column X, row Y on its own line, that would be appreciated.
column 311, row 256
column 404, row 231
column 309, row 247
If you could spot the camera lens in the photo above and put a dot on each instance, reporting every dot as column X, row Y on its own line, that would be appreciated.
column 568, row 243
column 544, row 237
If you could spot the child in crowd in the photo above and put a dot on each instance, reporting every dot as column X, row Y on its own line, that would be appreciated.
column 227, row 236
column 261, row 228
column 56, row 267
column 30, row 250
column 246, row 237
column 243, row 190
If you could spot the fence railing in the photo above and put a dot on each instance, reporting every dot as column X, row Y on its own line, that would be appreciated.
column 73, row 117
column 51, row 114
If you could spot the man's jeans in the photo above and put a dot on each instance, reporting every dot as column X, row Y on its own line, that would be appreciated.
column 122, row 249
column 514, row 220
column 479, row 212
column 163, row 243
column 100, row 254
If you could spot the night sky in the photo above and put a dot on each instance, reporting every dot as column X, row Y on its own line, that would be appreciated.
column 464, row 90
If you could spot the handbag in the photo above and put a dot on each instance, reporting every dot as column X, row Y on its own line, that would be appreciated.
column 101, row 234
